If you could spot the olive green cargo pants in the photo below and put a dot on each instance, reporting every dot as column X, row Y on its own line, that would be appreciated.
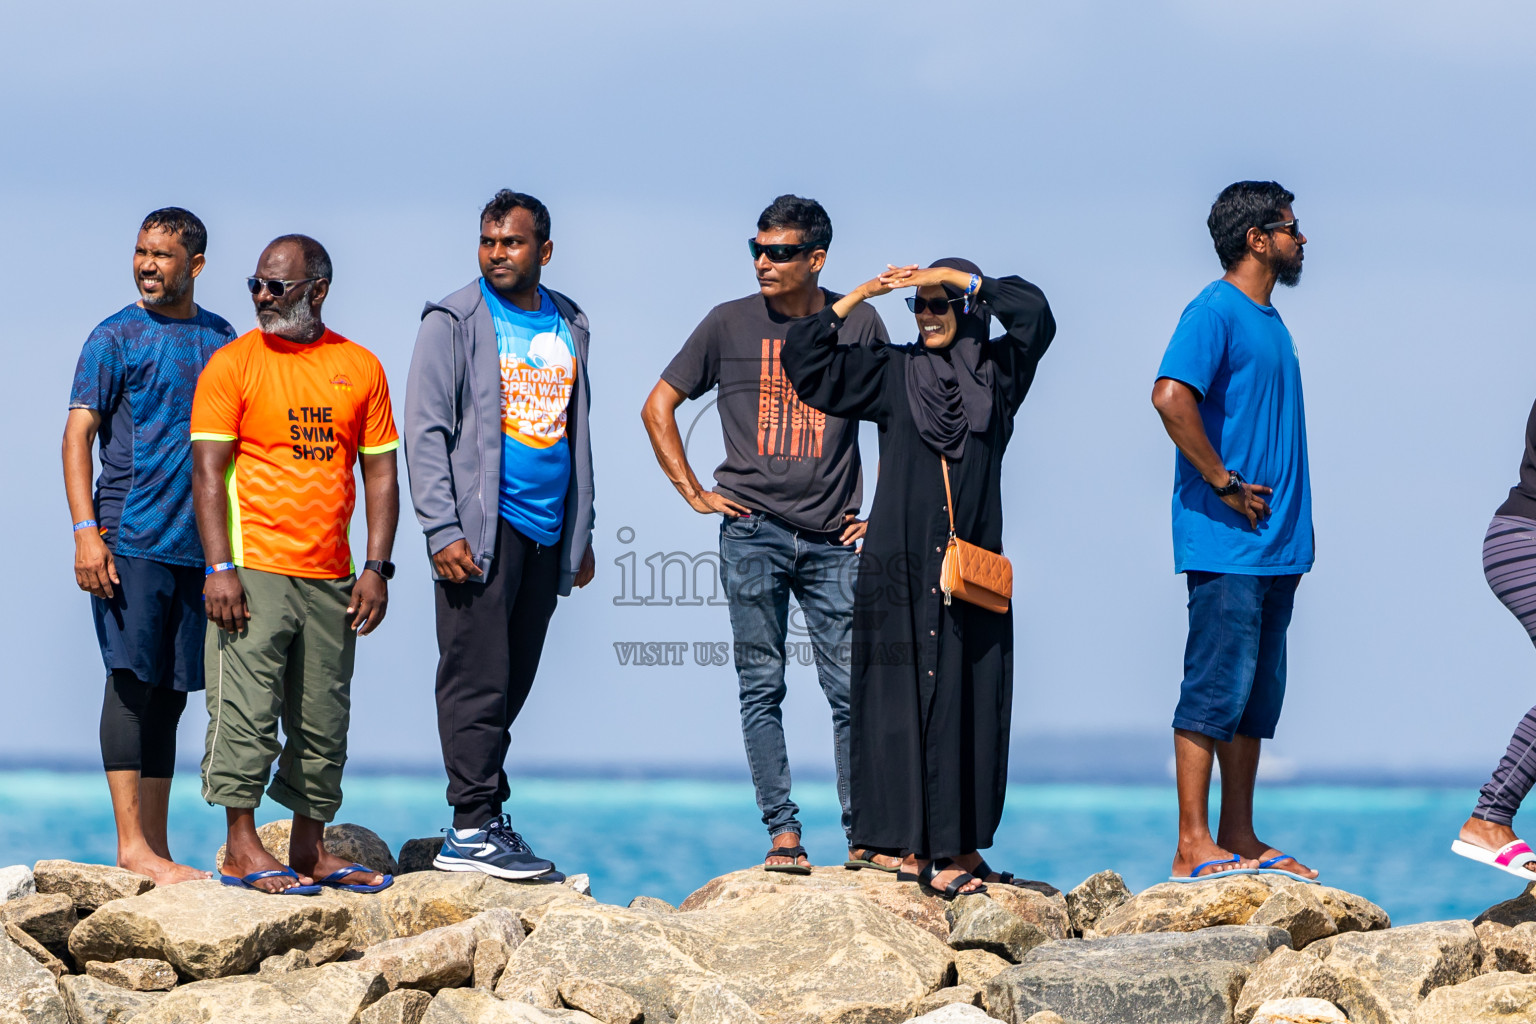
column 292, row 664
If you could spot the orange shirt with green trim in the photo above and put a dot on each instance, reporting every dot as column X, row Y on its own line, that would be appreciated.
column 300, row 415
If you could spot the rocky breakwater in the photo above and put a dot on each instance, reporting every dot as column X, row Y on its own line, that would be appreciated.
column 85, row 945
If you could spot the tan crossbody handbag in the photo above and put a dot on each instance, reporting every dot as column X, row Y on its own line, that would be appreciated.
column 973, row 574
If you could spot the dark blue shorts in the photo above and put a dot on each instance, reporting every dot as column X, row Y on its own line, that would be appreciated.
column 154, row 623
column 1234, row 661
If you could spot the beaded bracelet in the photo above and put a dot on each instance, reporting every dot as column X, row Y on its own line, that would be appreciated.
column 970, row 291
column 219, row 567
column 84, row 524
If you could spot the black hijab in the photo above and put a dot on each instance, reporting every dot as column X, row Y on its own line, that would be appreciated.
column 950, row 389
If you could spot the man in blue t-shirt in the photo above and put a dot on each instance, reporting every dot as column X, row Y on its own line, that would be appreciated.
column 500, row 459
column 1229, row 393
column 137, row 551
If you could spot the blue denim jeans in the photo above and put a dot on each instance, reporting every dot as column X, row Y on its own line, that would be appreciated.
column 1234, row 660
column 764, row 561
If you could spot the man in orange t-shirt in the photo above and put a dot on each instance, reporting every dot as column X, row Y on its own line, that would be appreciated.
column 280, row 417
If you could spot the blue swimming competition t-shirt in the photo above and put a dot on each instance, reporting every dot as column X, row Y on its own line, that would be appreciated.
column 139, row 370
column 1241, row 359
column 538, row 372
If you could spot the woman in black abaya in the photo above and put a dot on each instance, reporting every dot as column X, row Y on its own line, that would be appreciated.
column 932, row 687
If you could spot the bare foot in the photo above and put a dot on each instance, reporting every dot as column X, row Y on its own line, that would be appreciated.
column 782, row 841
column 241, row 860
column 885, row 860
column 1254, row 848
column 1191, row 855
column 942, row 878
column 162, row 869
column 327, row 864
column 1490, row 836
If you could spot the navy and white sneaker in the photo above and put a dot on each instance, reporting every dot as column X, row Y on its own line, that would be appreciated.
column 494, row 849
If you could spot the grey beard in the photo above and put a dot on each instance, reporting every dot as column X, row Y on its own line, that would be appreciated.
column 173, row 292
column 299, row 321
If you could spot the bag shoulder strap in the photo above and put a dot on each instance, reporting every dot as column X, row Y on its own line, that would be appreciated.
column 949, row 499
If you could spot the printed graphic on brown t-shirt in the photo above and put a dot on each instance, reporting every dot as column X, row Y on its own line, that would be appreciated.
column 786, row 426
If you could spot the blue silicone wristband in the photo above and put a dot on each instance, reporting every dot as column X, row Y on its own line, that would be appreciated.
column 85, row 524
column 220, row 567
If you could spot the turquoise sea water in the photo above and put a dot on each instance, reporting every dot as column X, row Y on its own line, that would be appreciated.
column 668, row 837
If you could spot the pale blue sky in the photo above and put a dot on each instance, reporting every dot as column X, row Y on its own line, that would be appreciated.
column 1077, row 144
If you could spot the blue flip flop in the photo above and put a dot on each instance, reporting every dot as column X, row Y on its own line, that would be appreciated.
column 255, row 876
column 1266, row 867
column 1196, row 876
column 334, row 880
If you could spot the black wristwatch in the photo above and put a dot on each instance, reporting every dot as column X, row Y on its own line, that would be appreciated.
column 1233, row 485
column 385, row 569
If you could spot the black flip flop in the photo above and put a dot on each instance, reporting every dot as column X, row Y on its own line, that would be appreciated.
column 793, row 868
column 1003, row 877
column 868, row 861
column 926, row 876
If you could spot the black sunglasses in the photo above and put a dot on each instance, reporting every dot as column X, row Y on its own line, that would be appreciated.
column 938, row 307
column 780, row 253
column 274, row 287
column 1291, row 227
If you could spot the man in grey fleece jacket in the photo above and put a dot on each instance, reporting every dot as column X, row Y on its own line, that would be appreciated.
column 500, row 462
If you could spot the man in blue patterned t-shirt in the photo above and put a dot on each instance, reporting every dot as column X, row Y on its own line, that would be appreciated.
column 136, row 545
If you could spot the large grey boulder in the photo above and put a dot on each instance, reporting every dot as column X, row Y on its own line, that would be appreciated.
column 1169, row 978
column 89, row 885
column 331, row 994
column 352, row 843
column 1040, row 905
column 977, row 922
column 15, row 882
column 1175, row 907
column 209, row 930
column 791, row 956
column 90, row 1000
column 47, row 918
column 1505, row 997
column 1094, row 897
column 28, row 992
column 1385, row 975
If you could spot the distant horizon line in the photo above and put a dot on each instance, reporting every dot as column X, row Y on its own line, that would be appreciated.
column 731, row 772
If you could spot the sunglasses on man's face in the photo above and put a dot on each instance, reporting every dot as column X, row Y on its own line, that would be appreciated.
column 778, row 253
column 1291, row 227
column 274, row 287
column 938, row 307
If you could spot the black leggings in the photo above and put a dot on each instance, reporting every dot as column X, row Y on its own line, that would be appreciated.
column 138, row 726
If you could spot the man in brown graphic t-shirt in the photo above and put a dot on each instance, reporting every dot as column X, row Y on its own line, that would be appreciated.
column 789, row 492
